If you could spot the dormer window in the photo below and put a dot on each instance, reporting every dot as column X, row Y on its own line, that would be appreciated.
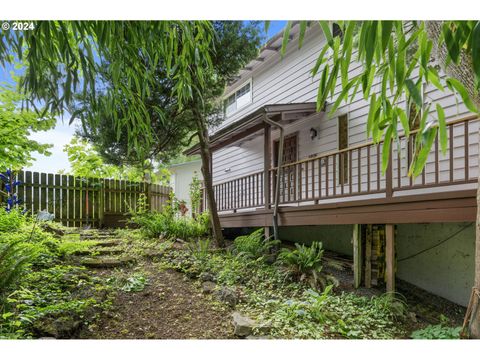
column 238, row 99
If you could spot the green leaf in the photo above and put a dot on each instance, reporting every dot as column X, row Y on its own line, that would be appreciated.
column 386, row 148
column 301, row 35
column 452, row 46
column 435, row 78
column 325, row 25
column 371, row 41
column 475, row 41
column 403, row 120
column 414, row 92
column 459, row 88
column 442, row 127
column 422, row 158
column 371, row 113
column 386, row 33
column 286, row 35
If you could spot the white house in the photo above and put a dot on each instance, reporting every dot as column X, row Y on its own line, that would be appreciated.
column 417, row 230
column 181, row 177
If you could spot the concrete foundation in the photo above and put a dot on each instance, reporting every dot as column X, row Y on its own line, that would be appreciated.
column 446, row 270
column 337, row 238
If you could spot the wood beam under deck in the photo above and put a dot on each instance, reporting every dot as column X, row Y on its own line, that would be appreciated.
column 453, row 206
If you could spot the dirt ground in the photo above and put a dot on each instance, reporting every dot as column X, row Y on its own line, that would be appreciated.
column 170, row 307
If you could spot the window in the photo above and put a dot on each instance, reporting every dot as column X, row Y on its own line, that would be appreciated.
column 238, row 99
column 343, row 144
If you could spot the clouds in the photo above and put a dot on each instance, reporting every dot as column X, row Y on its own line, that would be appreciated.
column 58, row 137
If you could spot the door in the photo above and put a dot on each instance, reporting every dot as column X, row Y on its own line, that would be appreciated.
column 290, row 155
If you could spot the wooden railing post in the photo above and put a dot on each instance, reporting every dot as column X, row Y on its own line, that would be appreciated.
column 389, row 174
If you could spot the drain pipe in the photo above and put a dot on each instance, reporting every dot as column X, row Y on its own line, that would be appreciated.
column 279, row 169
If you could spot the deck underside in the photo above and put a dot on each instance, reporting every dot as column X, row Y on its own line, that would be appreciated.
column 453, row 206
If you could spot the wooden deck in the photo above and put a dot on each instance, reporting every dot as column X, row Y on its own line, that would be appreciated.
column 348, row 186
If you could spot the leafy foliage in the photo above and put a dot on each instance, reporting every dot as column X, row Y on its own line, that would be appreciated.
column 85, row 161
column 133, row 283
column 305, row 263
column 195, row 192
column 438, row 331
column 254, row 245
column 57, row 292
column 169, row 224
column 14, row 261
column 393, row 51
column 17, row 125
column 291, row 309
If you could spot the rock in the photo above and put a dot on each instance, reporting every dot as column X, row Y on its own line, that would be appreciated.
column 106, row 263
column 227, row 295
column 208, row 287
column 64, row 327
column 243, row 325
column 253, row 337
column 206, row 276
column 52, row 230
column 264, row 328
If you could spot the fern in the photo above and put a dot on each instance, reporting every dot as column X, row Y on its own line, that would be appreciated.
column 305, row 263
column 253, row 245
column 14, row 259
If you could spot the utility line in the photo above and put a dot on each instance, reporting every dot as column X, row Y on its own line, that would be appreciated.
column 438, row 244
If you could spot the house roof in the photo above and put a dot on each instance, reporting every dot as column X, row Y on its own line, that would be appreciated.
column 253, row 122
column 185, row 163
column 270, row 49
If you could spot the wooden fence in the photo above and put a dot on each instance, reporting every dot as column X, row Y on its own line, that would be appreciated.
column 77, row 201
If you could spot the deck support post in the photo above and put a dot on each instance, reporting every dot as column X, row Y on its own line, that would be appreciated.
column 267, row 156
column 390, row 257
column 357, row 255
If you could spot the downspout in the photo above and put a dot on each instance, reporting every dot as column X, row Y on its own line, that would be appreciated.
column 279, row 169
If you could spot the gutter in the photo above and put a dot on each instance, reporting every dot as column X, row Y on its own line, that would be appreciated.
column 279, row 169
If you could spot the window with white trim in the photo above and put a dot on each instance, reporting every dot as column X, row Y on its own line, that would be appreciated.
column 239, row 99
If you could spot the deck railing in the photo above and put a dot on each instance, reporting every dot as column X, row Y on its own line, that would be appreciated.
column 357, row 171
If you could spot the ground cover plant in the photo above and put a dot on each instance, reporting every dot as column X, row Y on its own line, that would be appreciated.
column 283, row 306
column 42, row 294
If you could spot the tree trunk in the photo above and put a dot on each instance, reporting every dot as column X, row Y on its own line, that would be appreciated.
column 463, row 72
column 207, row 178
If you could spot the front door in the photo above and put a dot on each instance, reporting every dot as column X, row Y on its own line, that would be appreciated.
column 290, row 155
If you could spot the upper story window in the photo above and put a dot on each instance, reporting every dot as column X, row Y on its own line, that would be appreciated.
column 238, row 99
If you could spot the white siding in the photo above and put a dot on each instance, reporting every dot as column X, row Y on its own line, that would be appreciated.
column 288, row 80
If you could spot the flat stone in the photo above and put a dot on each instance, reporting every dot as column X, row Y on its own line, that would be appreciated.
column 227, row 295
column 108, row 243
column 106, row 263
column 208, row 287
column 243, row 325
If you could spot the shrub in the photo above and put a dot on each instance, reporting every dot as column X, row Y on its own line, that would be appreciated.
column 305, row 263
column 166, row 224
column 14, row 260
column 200, row 249
column 253, row 245
column 11, row 221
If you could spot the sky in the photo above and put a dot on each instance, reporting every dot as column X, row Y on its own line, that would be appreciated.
column 63, row 132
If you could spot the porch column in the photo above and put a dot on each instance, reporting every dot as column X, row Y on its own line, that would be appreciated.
column 357, row 255
column 390, row 257
column 267, row 156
